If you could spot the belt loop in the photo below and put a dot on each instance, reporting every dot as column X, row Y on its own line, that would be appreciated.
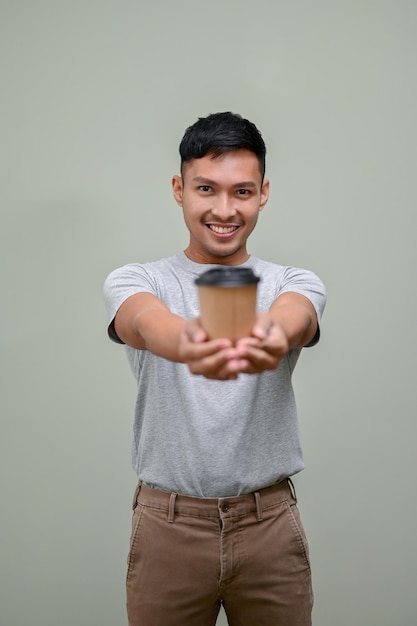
column 259, row 516
column 291, row 485
column 171, row 507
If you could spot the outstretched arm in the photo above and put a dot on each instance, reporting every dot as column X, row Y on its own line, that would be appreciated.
column 291, row 322
column 145, row 322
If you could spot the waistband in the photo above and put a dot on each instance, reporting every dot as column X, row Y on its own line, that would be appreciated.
column 177, row 504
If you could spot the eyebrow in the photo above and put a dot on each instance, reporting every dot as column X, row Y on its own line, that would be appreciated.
column 213, row 183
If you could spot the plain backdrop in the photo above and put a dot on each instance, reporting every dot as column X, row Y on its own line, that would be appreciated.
column 95, row 97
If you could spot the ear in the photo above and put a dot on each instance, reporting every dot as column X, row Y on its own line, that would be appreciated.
column 264, row 194
column 177, row 189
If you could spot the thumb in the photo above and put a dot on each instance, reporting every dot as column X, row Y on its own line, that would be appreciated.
column 262, row 326
column 195, row 331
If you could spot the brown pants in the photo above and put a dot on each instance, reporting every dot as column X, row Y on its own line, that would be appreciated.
column 190, row 555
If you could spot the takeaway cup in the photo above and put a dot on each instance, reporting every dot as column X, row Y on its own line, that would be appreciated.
column 227, row 298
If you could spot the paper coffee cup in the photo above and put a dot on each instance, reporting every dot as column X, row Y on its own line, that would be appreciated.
column 227, row 301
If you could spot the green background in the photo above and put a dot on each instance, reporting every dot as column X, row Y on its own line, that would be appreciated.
column 95, row 96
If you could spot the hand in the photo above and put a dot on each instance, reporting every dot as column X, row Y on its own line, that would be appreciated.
column 265, row 348
column 215, row 359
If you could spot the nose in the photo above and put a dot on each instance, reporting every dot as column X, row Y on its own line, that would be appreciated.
column 223, row 207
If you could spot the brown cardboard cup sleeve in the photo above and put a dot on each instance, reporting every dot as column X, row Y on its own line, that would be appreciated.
column 227, row 298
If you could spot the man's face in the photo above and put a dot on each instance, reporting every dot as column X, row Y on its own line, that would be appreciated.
column 221, row 199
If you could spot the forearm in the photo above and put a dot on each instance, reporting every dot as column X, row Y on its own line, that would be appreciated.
column 145, row 322
column 160, row 331
column 296, row 316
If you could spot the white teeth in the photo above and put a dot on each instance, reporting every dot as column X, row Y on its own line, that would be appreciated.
column 222, row 230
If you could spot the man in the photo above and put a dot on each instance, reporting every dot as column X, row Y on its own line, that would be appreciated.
column 216, row 434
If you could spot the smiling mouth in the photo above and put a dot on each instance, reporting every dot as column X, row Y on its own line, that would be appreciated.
column 222, row 230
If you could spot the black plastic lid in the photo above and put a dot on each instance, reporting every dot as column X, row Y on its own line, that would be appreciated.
column 224, row 276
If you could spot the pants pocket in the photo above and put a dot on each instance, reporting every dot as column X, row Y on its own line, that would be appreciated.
column 134, row 538
column 298, row 530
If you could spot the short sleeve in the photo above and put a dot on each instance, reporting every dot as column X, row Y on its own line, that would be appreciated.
column 308, row 284
column 119, row 285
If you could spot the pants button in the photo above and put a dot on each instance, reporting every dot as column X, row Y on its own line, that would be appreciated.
column 225, row 507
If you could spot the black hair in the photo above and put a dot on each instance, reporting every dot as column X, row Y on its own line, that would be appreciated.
column 219, row 133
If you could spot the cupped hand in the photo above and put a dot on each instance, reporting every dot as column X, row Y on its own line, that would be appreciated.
column 215, row 359
column 219, row 359
column 265, row 348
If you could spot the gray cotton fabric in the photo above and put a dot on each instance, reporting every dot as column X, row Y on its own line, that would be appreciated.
column 203, row 437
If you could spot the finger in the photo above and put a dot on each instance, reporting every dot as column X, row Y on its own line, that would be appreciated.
column 202, row 350
column 262, row 326
column 217, row 365
column 194, row 330
column 258, row 360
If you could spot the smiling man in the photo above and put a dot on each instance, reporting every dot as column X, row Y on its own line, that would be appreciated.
column 216, row 436
column 221, row 197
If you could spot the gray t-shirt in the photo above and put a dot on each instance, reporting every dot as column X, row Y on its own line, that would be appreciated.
column 203, row 437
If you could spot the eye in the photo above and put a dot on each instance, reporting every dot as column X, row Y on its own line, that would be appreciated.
column 243, row 192
column 205, row 188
